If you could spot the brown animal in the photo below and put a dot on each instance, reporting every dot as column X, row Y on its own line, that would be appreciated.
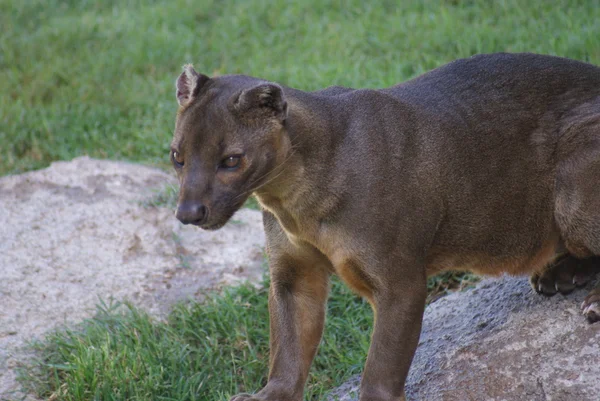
column 490, row 164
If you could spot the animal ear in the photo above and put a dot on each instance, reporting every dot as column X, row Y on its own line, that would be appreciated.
column 188, row 85
column 266, row 97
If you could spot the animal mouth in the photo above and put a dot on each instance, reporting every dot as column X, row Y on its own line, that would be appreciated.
column 219, row 219
column 211, row 227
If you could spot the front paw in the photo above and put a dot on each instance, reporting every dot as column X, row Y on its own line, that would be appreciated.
column 265, row 395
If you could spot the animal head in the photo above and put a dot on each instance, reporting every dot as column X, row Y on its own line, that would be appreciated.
column 229, row 136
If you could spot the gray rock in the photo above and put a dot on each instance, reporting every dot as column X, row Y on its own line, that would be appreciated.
column 503, row 342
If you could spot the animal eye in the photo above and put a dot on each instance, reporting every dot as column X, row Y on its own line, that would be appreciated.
column 230, row 162
column 177, row 158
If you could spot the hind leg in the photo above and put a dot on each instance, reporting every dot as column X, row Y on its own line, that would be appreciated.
column 591, row 305
column 577, row 195
column 564, row 275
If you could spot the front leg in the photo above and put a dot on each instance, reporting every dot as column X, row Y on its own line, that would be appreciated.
column 297, row 303
column 399, row 305
column 297, row 299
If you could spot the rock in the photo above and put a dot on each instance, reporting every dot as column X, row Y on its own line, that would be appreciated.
column 503, row 342
column 77, row 233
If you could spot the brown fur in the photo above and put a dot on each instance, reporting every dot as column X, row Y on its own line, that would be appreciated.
column 489, row 164
column 484, row 265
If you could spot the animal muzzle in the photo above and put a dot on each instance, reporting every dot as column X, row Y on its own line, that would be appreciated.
column 192, row 213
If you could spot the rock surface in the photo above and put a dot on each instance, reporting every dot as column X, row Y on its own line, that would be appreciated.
column 503, row 342
column 76, row 233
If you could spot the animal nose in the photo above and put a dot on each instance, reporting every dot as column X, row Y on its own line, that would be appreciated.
column 191, row 213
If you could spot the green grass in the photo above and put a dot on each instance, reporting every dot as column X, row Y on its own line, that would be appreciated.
column 449, row 281
column 206, row 351
column 162, row 197
column 203, row 351
column 96, row 77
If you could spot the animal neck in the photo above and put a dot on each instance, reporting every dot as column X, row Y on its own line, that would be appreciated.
column 315, row 131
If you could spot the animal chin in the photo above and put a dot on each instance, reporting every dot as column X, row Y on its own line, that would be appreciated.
column 213, row 226
column 215, row 223
column 218, row 220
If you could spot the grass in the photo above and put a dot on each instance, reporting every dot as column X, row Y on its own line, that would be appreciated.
column 162, row 197
column 203, row 351
column 96, row 78
column 449, row 281
column 206, row 351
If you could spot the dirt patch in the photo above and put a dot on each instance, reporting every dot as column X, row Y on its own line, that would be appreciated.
column 77, row 232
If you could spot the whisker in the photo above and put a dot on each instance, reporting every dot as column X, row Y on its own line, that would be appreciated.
column 269, row 172
column 279, row 166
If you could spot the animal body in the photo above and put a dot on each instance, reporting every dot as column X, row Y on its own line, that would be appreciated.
column 489, row 164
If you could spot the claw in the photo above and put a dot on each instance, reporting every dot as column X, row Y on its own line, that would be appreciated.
column 591, row 309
